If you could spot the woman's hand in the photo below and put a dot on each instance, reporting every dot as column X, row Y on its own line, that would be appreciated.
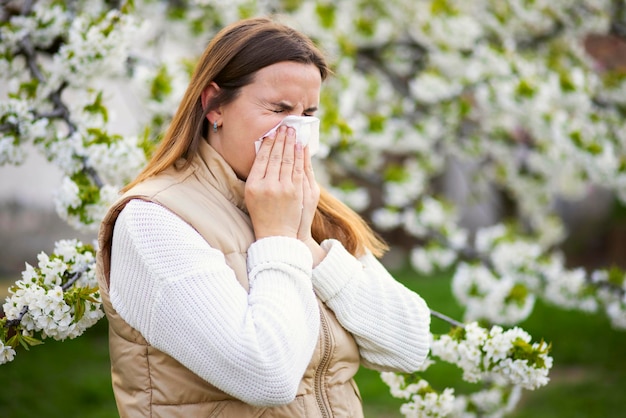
column 310, row 199
column 275, row 186
column 281, row 191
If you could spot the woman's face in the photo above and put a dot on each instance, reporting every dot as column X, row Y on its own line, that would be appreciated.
column 281, row 89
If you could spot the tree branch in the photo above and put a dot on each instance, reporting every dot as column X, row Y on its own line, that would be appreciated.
column 27, row 50
column 93, row 174
column 15, row 322
column 446, row 318
column 74, row 278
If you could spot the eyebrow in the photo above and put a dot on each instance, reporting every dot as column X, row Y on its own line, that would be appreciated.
column 287, row 106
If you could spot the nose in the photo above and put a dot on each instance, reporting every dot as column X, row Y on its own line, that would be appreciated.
column 298, row 110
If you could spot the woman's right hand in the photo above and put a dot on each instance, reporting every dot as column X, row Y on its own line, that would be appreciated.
column 274, row 187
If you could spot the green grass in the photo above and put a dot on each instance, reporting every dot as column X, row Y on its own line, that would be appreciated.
column 71, row 379
column 60, row 379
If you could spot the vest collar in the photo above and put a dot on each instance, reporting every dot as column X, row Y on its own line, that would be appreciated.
column 212, row 166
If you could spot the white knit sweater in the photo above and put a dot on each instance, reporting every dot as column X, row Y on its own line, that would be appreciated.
column 167, row 282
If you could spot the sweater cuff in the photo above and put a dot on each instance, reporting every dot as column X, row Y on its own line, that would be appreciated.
column 335, row 271
column 272, row 250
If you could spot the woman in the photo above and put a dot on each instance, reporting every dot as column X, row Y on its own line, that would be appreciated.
column 233, row 286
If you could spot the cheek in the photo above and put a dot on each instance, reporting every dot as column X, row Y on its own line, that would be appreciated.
column 240, row 138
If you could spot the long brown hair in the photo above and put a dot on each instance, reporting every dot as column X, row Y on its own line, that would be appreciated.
column 231, row 60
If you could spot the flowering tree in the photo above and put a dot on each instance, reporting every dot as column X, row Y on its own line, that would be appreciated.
column 504, row 90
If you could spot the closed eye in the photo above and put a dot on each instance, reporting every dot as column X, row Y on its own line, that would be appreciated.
column 283, row 107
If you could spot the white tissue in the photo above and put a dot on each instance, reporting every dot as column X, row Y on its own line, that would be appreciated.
column 307, row 131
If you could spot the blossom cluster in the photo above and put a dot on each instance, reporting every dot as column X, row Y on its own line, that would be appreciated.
column 515, row 271
column 422, row 400
column 505, row 362
column 58, row 299
column 52, row 57
column 504, row 357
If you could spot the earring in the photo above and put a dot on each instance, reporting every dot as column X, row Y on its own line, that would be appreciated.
column 215, row 126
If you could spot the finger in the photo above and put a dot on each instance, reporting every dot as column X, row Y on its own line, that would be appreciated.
column 298, row 168
column 288, row 157
column 308, row 166
column 259, row 166
column 276, row 154
column 310, row 184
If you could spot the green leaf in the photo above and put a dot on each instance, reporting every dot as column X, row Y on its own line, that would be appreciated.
column 524, row 351
column 128, row 6
column 13, row 341
column 98, row 107
column 29, row 88
column 457, row 333
column 161, row 86
column 365, row 26
column 79, row 310
column 290, row 6
column 616, row 276
column 376, row 122
column 442, row 7
column 395, row 173
column 567, row 85
column 525, row 89
column 518, row 294
column 326, row 14
column 31, row 340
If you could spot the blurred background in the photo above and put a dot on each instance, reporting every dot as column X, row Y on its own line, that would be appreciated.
column 71, row 379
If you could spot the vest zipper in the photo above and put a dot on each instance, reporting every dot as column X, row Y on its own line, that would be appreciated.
column 320, row 393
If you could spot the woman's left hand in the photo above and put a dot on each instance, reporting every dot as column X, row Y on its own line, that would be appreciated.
column 310, row 199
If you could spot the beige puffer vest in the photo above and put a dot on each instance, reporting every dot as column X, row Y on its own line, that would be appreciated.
column 149, row 383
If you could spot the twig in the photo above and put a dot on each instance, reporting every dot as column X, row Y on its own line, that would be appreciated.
column 26, row 48
column 446, row 318
column 93, row 174
column 15, row 322
column 74, row 278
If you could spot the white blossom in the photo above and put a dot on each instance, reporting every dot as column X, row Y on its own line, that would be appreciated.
column 357, row 198
column 67, row 196
column 432, row 88
column 386, row 219
column 7, row 353
column 40, row 290
column 120, row 162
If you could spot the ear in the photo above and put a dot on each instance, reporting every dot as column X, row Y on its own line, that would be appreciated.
column 207, row 95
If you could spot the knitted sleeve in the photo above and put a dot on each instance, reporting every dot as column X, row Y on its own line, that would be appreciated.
column 179, row 293
column 390, row 323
